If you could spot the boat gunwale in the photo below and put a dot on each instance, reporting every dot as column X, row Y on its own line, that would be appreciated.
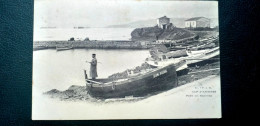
column 209, row 53
column 131, row 79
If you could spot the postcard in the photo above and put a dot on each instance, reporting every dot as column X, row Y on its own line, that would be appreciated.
column 131, row 59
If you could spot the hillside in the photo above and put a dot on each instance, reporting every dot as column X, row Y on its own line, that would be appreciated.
column 137, row 24
column 178, row 22
column 156, row 33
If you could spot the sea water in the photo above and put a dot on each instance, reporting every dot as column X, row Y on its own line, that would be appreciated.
column 60, row 69
column 42, row 34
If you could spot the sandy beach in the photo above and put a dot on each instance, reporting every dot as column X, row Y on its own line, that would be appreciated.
column 204, row 94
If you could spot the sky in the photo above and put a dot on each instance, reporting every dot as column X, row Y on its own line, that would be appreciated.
column 101, row 13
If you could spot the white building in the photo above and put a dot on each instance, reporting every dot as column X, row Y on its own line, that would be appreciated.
column 163, row 22
column 197, row 22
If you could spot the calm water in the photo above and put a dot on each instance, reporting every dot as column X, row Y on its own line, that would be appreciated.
column 92, row 33
column 60, row 70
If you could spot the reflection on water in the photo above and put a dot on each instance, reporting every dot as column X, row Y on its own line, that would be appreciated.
column 59, row 70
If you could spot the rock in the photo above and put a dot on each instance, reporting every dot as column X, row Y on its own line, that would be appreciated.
column 74, row 92
column 53, row 91
column 156, row 33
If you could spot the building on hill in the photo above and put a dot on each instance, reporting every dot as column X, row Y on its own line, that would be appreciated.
column 197, row 22
column 163, row 22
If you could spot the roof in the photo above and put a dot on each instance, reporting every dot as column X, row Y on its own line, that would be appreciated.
column 163, row 17
column 195, row 18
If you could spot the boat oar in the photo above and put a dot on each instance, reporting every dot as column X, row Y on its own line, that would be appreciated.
column 88, row 80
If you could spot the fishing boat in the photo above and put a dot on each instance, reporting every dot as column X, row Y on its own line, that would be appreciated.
column 181, row 64
column 203, row 46
column 140, row 84
column 191, row 58
column 194, row 44
column 206, row 56
column 63, row 48
column 161, row 51
column 161, row 56
column 208, row 39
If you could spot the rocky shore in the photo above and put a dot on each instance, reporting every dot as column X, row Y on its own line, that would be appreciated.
column 155, row 33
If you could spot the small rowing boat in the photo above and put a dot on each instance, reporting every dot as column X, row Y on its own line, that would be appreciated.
column 63, row 48
column 141, row 84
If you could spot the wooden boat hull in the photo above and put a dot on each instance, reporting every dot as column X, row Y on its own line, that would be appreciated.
column 61, row 49
column 206, row 57
column 154, row 81
column 180, row 65
column 204, row 62
column 177, row 54
column 192, row 59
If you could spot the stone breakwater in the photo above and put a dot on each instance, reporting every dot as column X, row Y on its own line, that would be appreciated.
column 94, row 44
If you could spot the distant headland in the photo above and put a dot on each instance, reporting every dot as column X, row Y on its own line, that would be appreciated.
column 144, row 37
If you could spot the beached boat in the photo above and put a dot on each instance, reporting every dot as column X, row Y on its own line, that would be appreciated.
column 195, row 44
column 206, row 56
column 162, row 52
column 205, row 44
column 179, row 62
column 192, row 57
column 177, row 53
column 141, row 84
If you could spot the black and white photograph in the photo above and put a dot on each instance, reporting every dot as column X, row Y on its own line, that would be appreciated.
column 125, row 59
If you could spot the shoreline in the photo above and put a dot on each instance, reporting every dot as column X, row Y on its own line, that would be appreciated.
column 79, row 93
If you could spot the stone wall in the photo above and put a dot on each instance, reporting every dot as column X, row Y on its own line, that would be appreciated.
column 92, row 44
